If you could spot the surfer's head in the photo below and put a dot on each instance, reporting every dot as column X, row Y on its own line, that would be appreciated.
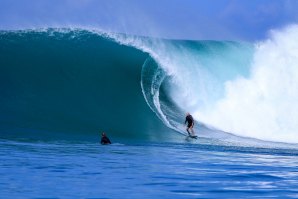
column 103, row 134
column 187, row 114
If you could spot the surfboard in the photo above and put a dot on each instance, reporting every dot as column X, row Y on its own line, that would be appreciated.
column 193, row 136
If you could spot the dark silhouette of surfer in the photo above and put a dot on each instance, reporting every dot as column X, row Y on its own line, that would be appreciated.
column 105, row 139
column 190, row 124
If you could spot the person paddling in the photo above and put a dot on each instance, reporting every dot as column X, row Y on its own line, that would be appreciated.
column 105, row 139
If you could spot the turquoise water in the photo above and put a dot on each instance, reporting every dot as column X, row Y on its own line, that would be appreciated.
column 145, row 170
column 59, row 89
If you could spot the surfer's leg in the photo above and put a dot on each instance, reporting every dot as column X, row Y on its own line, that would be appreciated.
column 187, row 129
column 192, row 131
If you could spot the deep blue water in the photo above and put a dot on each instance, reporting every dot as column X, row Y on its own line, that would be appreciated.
column 145, row 170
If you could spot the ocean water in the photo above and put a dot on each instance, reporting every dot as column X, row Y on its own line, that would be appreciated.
column 60, row 88
column 145, row 170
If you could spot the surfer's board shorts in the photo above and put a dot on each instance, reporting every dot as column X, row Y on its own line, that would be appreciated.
column 190, row 124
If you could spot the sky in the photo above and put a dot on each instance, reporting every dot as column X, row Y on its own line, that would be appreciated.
column 247, row 20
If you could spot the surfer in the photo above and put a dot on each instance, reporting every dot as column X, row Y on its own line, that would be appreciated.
column 105, row 139
column 190, row 123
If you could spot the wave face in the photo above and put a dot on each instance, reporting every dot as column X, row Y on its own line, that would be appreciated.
column 80, row 81
column 72, row 83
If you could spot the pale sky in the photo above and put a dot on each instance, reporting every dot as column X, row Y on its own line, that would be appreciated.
column 248, row 20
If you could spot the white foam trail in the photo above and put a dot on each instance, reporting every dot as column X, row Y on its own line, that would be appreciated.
column 265, row 105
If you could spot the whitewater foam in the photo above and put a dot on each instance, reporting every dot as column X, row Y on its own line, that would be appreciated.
column 264, row 105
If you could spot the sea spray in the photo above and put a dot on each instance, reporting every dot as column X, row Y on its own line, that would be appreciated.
column 263, row 105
